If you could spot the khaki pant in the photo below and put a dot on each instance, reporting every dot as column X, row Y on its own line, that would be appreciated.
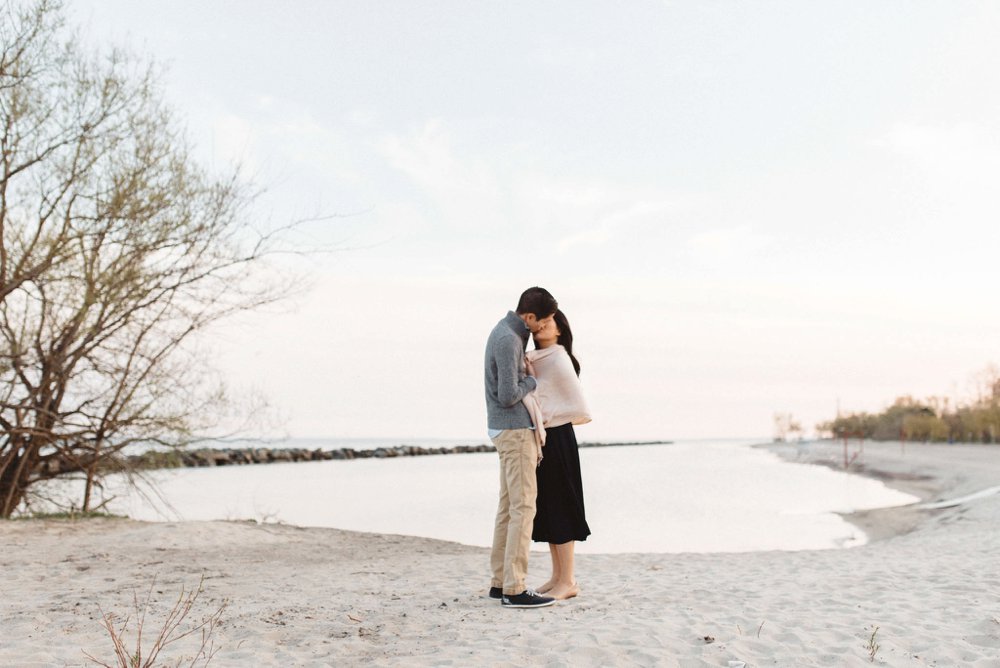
column 516, row 510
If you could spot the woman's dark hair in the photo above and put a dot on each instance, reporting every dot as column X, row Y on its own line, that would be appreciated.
column 537, row 301
column 566, row 338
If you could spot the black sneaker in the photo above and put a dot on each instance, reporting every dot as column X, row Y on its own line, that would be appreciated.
column 529, row 598
column 496, row 592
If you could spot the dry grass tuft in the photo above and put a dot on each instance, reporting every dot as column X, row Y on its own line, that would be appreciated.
column 170, row 631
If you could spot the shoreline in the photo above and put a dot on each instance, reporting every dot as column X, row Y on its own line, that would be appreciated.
column 329, row 597
column 913, row 468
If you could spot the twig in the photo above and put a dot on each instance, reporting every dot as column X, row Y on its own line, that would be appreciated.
column 169, row 633
column 873, row 646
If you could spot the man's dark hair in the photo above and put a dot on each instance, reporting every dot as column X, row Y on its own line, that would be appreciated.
column 537, row 301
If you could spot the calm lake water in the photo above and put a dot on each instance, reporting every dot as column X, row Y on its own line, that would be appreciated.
column 690, row 496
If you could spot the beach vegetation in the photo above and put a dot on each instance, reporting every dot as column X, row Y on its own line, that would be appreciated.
column 872, row 646
column 131, row 651
column 786, row 428
column 936, row 419
column 118, row 247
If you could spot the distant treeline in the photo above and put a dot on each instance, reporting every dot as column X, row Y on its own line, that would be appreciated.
column 933, row 419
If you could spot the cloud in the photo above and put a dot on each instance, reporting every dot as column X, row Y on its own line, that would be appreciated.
column 958, row 162
column 481, row 187
column 625, row 214
column 932, row 142
column 233, row 139
column 591, row 237
column 428, row 157
column 462, row 188
column 726, row 243
column 278, row 135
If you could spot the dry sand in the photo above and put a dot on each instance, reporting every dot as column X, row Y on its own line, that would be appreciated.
column 930, row 582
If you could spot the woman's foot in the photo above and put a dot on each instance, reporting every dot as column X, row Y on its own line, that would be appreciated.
column 546, row 588
column 561, row 592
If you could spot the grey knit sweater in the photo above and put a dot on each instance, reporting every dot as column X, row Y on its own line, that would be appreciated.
column 506, row 383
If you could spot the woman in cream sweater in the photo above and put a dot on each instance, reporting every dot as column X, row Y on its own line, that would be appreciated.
column 556, row 405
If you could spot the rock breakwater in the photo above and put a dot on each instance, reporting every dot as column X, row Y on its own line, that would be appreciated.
column 242, row 456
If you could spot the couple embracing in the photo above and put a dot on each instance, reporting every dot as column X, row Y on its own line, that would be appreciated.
column 533, row 399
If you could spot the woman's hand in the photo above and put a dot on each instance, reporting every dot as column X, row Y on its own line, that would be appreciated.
column 529, row 367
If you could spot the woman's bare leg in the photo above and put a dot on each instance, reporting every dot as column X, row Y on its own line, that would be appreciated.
column 563, row 586
column 556, row 570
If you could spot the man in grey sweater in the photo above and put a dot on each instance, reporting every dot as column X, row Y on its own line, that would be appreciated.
column 509, row 377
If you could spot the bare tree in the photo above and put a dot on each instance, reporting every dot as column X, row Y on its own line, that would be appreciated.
column 116, row 248
column 785, row 426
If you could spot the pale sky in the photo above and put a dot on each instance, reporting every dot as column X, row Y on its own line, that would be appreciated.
column 743, row 208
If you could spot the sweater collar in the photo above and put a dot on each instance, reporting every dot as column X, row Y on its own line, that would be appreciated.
column 514, row 321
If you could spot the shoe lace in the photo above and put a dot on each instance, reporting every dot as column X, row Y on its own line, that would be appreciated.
column 532, row 592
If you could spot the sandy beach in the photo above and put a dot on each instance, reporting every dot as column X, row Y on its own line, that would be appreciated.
column 929, row 581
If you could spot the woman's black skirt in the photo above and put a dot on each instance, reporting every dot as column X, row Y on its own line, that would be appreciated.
column 560, row 516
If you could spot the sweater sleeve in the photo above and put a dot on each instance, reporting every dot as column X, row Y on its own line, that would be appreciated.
column 512, row 384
